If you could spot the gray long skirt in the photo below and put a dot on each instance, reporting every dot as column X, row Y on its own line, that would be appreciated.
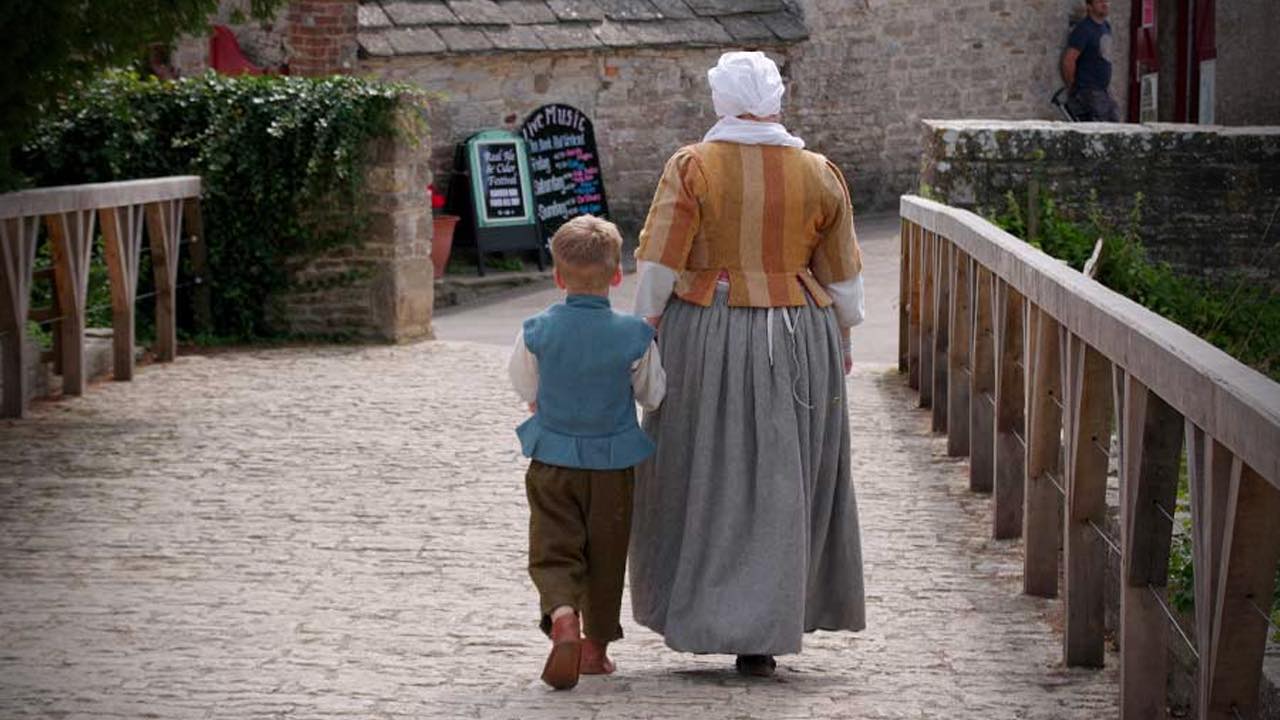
column 745, row 527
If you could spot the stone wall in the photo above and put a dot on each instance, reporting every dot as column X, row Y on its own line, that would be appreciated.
column 381, row 289
column 858, row 88
column 1248, row 65
column 1208, row 191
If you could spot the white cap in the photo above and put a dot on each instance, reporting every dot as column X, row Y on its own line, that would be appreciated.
column 745, row 83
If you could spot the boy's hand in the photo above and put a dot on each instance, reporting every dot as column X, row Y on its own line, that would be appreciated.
column 533, row 406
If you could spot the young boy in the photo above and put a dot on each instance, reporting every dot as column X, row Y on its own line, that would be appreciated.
column 582, row 367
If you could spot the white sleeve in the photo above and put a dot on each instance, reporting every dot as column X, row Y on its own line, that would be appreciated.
column 850, row 305
column 653, row 289
column 522, row 368
column 648, row 379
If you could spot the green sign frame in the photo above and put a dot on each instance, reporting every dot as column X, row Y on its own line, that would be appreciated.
column 481, row 193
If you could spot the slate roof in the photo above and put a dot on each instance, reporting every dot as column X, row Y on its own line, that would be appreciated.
column 427, row 27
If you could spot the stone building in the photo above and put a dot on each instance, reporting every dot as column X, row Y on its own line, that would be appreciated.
column 861, row 73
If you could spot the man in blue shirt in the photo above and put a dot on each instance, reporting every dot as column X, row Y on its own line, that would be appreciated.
column 1086, row 65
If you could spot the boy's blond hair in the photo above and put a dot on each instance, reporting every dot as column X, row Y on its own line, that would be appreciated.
column 587, row 251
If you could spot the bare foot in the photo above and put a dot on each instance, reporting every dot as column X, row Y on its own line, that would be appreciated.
column 595, row 661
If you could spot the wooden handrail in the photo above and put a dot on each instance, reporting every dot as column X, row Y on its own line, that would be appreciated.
column 69, row 198
column 1031, row 368
column 71, row 216
column 1234, row 403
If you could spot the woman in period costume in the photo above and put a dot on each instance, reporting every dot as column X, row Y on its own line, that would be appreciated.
column 745, row 531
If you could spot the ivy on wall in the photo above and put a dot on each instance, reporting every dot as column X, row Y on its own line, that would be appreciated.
column 282, row 161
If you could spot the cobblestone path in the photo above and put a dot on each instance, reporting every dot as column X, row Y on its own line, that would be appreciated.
column 339, row 532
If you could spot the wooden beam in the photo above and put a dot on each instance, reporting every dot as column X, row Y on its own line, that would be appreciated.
column 927, row 290
column 1210, row 469
column 1042, row 513
column 72, row 234
column 17, row 259
column 1150, row 448
column 941, row 332
column 958, row 358
column 198, row 253
column 982, row 384
column 904, row 297
column 122, row 242
column 164, row 229
column 1088, row 395
column 72, row 198
column 1010, row 430
column 1246, row 583
column 916, row 279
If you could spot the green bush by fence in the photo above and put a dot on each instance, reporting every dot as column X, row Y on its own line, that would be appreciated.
column 281, row 158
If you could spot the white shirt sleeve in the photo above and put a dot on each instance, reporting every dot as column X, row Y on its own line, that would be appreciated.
column 522, row 367
column 850, row 304
column 653, row 288
column 648, row 379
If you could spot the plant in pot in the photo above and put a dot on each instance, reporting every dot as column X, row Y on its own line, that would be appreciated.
column 442, row 231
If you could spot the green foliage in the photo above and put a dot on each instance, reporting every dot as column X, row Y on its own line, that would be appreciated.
column 1243, row 319
column 282, row 161
column 50, row 44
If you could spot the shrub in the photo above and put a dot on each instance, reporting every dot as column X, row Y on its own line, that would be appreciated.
column 281, row 158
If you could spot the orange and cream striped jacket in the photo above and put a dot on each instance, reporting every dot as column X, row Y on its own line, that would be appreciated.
column 777, row 220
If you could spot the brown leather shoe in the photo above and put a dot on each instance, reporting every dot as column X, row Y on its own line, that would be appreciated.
column 595, row 661
column 561, row 670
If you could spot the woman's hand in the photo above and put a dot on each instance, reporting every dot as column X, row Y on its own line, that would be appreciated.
column 654, row 321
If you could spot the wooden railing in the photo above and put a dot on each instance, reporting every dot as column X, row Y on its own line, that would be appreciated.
column 1028, row 366
column 69, row 215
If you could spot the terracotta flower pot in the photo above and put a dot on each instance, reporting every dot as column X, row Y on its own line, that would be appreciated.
column 442, row 241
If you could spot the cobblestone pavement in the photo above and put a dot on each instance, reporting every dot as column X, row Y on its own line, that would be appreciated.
column 339, row 532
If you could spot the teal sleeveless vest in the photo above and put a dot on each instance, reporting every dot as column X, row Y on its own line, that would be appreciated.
column 586, row 415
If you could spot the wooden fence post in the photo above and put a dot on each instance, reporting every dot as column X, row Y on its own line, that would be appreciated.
column 941, row 331
column 164, row 229
column 1010, row 447
column 1209, row 479
column 982, row 383
column 959, row 361
column 928, row 245
column 201, row 296
column 1042, row 518
column 72, row 234
column 1246, row 581
column 904, row 297
column 915, row 278
column 1150, row 448
column 17, row 259
column 122, row 238
column 1088, row 396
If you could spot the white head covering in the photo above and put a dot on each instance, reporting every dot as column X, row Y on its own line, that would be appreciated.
column 746, row 83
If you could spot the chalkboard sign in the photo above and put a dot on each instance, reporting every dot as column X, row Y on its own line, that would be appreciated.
column 491, row 193
column 564, row 166
column 499, row 173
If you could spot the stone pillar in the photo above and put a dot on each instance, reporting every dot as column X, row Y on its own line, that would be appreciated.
column 380, row 289
column 321, row 37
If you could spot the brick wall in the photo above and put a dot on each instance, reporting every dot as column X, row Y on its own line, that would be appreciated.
column 382, row 289
column 1208, row 192
column 858, row 88
column 321, row 36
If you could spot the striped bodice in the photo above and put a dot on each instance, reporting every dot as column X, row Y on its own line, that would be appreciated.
column 777, row 220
